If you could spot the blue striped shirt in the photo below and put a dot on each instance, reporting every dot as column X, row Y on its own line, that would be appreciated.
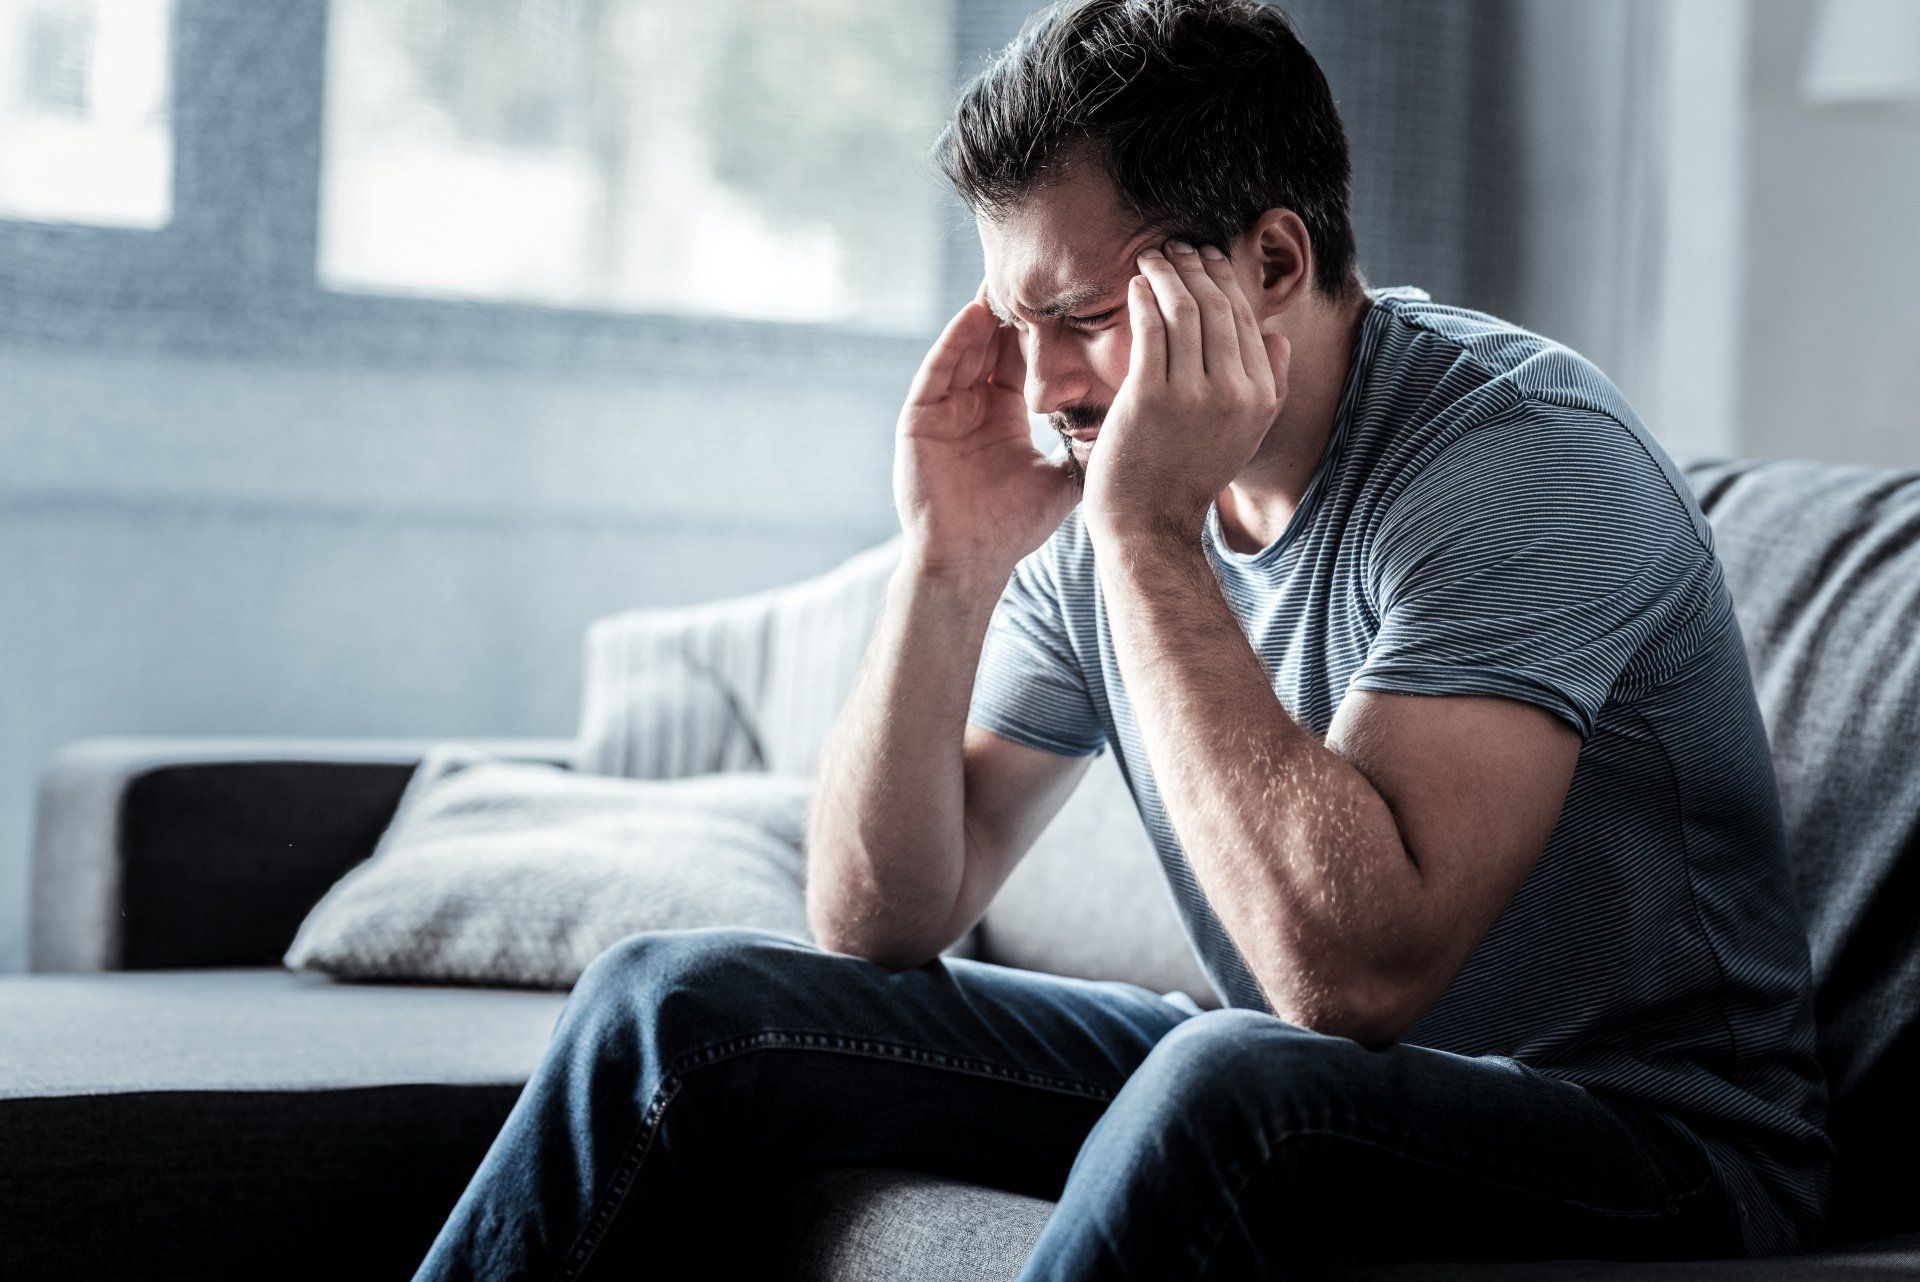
column 1490, row 517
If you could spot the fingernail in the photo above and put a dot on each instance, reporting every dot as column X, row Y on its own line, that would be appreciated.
column 1151, row 252
column 1211, row 251
column 1180, row 247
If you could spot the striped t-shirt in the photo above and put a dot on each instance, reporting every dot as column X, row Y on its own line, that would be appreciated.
column 1489, row 517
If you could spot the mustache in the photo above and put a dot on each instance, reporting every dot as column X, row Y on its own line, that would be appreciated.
column 1078, row 419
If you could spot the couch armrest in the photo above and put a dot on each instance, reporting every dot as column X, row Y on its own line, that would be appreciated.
column 161, row 853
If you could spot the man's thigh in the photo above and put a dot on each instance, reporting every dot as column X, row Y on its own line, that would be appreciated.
column 1319, row 1148
column 811, row 1059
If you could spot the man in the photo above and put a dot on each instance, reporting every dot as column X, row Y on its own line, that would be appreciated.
column 1416, row 652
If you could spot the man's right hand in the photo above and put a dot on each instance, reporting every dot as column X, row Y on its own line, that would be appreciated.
column 974, row 493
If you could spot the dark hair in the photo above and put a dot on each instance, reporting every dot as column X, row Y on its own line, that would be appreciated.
column 1204, row 114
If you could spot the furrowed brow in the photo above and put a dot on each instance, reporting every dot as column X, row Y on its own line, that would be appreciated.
column 1065, row 303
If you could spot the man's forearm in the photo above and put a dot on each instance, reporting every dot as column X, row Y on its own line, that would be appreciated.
column 886, row 832
column 1297, row 852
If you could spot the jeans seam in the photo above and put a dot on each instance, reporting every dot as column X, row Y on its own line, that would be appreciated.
column 1206, row 1260
column 875, row 1047
column 615, row 1197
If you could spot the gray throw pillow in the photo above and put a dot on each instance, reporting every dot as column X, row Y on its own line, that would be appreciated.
column 518, row 874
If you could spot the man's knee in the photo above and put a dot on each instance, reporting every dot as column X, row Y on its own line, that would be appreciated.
column 1242, row 1066
column 684, row 981
column 650, row 957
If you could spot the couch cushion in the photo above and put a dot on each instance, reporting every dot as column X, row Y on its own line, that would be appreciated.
column 519, row 874
column 1090, row 898
column 1823, row 562
column 873, row 1225
column 246, row 1123
column 260, row 1029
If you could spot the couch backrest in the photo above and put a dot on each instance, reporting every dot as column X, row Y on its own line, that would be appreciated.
column 1823, row 561
column 748, row 682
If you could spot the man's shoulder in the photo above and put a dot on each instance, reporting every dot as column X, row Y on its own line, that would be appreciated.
column 1466, row 395
column 1484, row 360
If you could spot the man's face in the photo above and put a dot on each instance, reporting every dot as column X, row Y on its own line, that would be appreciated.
column 1057, row 270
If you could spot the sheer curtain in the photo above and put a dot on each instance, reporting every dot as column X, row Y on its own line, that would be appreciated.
column 1577, row 169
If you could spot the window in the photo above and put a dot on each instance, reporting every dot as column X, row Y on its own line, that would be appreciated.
column 743, row 158
column 630, row 186
column 84, row 134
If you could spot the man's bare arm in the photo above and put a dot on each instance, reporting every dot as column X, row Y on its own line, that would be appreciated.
column 917, row 817
column 1355, row 874
column 885, row 832
column 897, row 867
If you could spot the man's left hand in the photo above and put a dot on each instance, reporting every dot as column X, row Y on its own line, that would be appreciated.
column 1202, row 389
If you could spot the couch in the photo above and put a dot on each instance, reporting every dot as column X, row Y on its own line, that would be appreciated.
column 176, row 1103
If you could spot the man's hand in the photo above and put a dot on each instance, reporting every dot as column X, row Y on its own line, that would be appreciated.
column 1202, row 389
column 973, row 493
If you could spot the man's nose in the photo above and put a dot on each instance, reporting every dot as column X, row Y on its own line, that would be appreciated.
column 1057, row 375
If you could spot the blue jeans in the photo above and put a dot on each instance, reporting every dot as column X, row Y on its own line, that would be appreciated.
column 694, row 1072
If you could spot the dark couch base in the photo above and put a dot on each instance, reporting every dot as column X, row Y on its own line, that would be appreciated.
column 204, row 1185
column 265, row 1124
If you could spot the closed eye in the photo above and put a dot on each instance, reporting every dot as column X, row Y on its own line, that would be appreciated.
column 1071, row 320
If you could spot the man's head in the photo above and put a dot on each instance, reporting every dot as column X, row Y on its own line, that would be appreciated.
column 1106, row 126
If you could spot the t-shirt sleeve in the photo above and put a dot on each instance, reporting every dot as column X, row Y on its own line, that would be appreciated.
column 1531, row 558
column 1029, row 686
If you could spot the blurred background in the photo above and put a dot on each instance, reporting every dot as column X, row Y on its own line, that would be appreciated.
column 354, row 356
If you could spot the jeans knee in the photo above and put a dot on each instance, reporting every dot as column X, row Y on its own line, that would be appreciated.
column 682, row 979
column 700, row 957
column 1240, row 1063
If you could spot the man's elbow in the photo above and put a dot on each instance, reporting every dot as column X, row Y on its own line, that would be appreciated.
column 836, row 936
column 1383, row 1014
column 1377, row 1035
column 1374, row 1015
column 890, row 956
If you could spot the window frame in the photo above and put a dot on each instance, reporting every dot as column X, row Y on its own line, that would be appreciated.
column 230, row 275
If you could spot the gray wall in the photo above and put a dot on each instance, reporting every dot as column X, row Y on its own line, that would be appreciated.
column 1831, row 364
column 239, row 546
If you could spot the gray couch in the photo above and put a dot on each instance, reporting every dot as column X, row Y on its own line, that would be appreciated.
column 174, row 1103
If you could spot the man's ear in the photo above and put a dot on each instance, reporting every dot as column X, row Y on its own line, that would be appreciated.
column 1285, row 254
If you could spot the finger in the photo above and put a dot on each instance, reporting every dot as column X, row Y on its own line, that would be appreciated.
column 1219, row 344
column 976, row 360
column 934, row 379
column 1247, row 336
column 1147, row 351
column 1009, row 372
column 1279, row 355
column 1180, row 316
column 1006, row 364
